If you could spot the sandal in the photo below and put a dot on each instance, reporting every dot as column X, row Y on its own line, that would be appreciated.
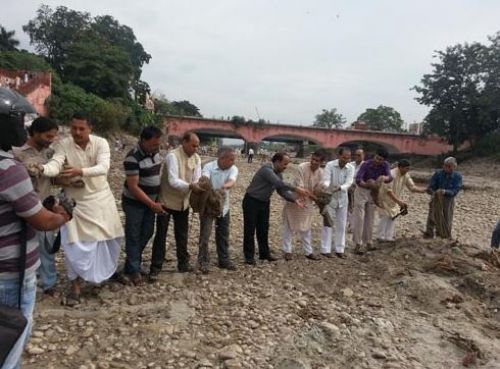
column 72, row 299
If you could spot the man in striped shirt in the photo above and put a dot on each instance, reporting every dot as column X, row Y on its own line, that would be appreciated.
column 140, row 195
column 19, row 203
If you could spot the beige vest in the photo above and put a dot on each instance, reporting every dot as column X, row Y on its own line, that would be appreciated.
column 171, row 197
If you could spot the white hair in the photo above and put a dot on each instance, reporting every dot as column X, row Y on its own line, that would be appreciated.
column 451, row 160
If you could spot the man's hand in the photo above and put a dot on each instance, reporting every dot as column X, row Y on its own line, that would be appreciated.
column 334, row 189
column 441, row 192
column 34, row 170
column 157, row 208
column 300, row 203
column 195, row 188
column 71, row 172
column 301, row 191
column 58, row 209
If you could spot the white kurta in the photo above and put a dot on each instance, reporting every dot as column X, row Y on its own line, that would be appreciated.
column 95, row 222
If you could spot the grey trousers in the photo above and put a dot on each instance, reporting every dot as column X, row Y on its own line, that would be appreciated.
column 448, row 208
column 221, row 238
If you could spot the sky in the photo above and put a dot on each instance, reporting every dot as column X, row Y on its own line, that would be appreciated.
column 287, row 60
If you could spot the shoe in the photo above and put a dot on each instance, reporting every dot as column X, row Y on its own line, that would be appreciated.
column 250, row 262
column 227, row 265
column 50, row 292
column 204, row 269
column 153, row 277
column 370, row 247
column 312, row 257
column 288, row 256
column 327, row 255
column 186, row 268
column 358, row 250
column 428, row 236
column 340, row 255
column 136, row 279
column 269, row 258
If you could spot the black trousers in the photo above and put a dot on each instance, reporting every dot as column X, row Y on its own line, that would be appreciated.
column 181, row 228
column 255, row 218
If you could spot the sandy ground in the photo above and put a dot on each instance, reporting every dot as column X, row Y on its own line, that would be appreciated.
column 416, row 304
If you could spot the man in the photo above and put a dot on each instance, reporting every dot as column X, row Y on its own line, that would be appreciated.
column 443, row 187
column 250, row 155
column 391, row 203
column 359, row 158
column 495, row 237
column 180, row 173
column 36, row 151
column 369, row 178
column 338, row 178
column 19, row 204
column 223, row 175
column 299, row 219
column 256, row 205
column 91, row 241
column 140, row 198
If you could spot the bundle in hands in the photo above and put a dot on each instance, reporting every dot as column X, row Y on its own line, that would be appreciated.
column 322, row 197
column 205, row 200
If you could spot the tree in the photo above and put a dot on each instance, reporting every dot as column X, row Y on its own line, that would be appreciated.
column 329, row 119
column 461, row 105
column 382, row 118
column 186, row 108
column 23, row 60
column 98, row 67
column 7, row 40
column 81, row 48
column 53, row 32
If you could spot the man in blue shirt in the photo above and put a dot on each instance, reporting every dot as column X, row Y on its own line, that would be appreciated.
column 444, row 186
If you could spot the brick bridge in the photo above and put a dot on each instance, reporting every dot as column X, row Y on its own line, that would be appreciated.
column 329, row 138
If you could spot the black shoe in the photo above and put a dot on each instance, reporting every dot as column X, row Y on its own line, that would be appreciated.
column 327, row 255
column 153, row 277
column 312, row 257
column 204, row 269
column 250, row 262
column 185, row 268
column 340, row 255
column 227, row 265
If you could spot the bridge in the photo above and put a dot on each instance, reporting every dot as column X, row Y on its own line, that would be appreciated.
column 253, row 133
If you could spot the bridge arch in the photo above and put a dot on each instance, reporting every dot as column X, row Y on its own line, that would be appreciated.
column 371, row 144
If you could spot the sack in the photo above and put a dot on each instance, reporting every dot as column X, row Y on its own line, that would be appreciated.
column 12, row 325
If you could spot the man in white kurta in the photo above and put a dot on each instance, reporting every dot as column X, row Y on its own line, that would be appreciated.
column 91, row 240
column 337, row 178
column 299, row 219
column 390, row 199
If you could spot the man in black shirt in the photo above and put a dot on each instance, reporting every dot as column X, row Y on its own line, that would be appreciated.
column 256, row 205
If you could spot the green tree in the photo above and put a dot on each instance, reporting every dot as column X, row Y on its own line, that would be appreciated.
column 53, row 32
column 186, row 108
column 329, row 119
column 7, row 40
column 382, row 118
column 460, row 108
column 23, row 60
column 98, row 67
column 81, row 48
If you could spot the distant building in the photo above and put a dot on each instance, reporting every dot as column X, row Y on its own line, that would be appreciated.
column 35, row 86
column 416, row 128
column 359, row 125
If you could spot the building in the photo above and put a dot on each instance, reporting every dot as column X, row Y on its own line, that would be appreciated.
column 34, row 85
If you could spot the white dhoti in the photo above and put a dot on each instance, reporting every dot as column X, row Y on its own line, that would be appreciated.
column 92, row 261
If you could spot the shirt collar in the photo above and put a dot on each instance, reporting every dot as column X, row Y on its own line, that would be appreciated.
column 6, row 154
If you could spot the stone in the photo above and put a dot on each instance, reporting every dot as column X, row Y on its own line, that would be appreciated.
column 34, row 350
column 330, row 329
column 232, row 364
column 71, row 350
column 230, row 352
column 347, row 292
column 290, row 363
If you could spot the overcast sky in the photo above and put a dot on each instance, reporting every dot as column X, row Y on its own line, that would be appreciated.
column 285, row 60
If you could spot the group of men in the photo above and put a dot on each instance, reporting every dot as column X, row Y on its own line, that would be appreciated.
column 157, row 189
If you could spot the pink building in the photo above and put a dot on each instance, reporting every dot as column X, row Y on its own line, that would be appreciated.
column 35, row 86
